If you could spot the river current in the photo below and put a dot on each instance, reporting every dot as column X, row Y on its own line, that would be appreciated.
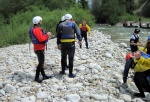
column 121, row 34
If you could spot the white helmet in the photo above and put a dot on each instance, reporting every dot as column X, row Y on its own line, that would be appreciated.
column 68, row 16
column 36, row 19
column 62, row 18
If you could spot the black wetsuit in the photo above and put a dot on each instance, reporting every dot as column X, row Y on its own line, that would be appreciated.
column 40, row 55
column 140, row 78
column 66, row 38
column 84, row 35
column 148, row 48
column 134, row 48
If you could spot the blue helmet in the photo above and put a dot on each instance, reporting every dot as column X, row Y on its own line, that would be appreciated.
column 148, row 38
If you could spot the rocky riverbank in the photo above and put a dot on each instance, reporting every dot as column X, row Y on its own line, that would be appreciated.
column 98, row 74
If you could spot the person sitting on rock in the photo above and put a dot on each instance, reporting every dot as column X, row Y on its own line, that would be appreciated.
column 141, row 67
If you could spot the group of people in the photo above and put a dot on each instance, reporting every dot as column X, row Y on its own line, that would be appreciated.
column 67, row 31
column 139, row 64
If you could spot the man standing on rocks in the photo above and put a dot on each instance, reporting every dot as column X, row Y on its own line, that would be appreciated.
column 84, row 28
column 39, row 39
column 62, row 20
column 135, row 41
column 66, row 42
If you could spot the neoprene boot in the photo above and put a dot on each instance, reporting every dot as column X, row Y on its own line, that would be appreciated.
column 38, row 80
column 44, row 75
column 139, row 95
column 87, row 46
column 80, row 46
column 72, row 75
column 62, row 72
column 47, row 77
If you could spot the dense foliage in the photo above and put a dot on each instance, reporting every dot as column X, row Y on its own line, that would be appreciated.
column 146, row 9
column 113, row 11
column 16, row 15
column 108, row 11
column 15, row 22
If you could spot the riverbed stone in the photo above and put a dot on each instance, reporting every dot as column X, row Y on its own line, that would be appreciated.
column 98, row 73
column 9, row 89
column 72, row 97
column 123, row 45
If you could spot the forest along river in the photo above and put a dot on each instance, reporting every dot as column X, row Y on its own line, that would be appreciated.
column 121, row 34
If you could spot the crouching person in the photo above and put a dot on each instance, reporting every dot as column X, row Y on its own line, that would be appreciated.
column 141, row 67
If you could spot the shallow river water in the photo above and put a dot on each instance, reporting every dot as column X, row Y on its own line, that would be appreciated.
column 122, row 34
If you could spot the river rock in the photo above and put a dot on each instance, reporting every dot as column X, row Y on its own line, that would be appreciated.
column 9, row 89
column 72, row 97
column 98, row 73
column 126, row 97
column 99, row 97
column 41, row 95
column 123, row 45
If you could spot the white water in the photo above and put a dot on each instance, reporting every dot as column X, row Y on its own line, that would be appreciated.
column 120, row 34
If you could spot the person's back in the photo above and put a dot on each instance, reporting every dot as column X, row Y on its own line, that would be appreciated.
column 66, row 42
column 62, row 20
column 68, row 30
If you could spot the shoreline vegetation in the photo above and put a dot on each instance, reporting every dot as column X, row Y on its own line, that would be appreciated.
column 15, row 27
column 14, row 34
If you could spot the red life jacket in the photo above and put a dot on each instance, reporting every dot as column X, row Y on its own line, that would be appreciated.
column 83, row 28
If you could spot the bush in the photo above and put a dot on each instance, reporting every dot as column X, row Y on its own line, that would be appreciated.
column 11, row 7
column 58, row 4
column 17, row 31
column 129, row 17
column 145, row 11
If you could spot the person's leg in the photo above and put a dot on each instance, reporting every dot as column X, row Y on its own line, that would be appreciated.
column 86, row 42
column 147, row 85
column 38, row 69
column 137, row 80
column 41, row 64
column 63, row 57
column 82, row 38
column 132, row 50
column 71, row 51
column 128, row 65
column 67, row 66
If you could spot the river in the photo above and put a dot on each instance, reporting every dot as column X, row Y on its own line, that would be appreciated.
column 121, row 34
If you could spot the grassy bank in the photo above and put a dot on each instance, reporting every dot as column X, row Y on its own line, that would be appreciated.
column 16, row 32
column 134, row 18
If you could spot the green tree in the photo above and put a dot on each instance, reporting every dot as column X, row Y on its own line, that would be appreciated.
column 141, row 1
column 84, row 4
column 12, row 7
column 130, row 6
column 58, row 4
column 96, row 9
column 108, row 11
column 146, row 9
